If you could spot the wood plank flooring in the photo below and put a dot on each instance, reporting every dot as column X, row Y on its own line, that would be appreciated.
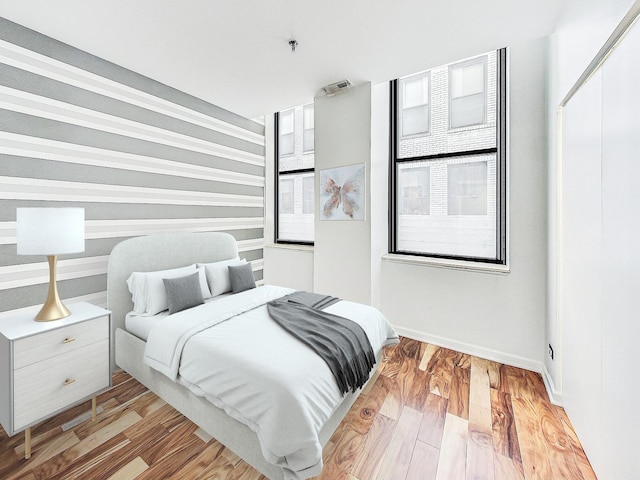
column 431, row 413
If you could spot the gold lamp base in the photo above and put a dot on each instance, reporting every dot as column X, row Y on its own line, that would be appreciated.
column 53, row 308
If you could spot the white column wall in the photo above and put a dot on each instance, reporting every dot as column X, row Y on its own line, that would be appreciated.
column 342, row 251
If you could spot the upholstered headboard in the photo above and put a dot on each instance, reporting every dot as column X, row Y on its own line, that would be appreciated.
column 159, row 252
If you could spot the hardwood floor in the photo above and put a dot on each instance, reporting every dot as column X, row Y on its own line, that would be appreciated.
column 431, row 413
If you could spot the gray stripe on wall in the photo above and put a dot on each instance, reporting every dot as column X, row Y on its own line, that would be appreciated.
column 34, row 41
column 34, row 294
column 16, row 122
column 29, row 82
column 132, row 211
column 14, row 166
column 251, row 255
column 103, row 246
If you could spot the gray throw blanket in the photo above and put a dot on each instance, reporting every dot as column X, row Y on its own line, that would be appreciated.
column 341, row 343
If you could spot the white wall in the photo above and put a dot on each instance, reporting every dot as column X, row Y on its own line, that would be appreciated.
column 500, row 316
column 289, row 266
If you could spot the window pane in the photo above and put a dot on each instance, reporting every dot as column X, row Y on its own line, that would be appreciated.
column 414, row 188
column 467, row 79
column 308, row 134
column 467, row 111
column 414, row 104
column 287, row 121
column 416, row 92
column 308, row 116
column 415, row 120
column 308, row 140
column 295, row 222
column 308, row 205
column 461, row 218
column 286, row 195
column 467, row 189
column 467, row 103
column 286, row 144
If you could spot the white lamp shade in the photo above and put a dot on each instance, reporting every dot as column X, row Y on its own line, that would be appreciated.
column 50, row 231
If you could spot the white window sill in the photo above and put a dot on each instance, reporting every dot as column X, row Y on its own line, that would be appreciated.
column 291, row 246
column 446, row 263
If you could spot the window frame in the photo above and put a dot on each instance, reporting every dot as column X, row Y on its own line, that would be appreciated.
column 500, row 150
column 292, row 184
column 427, row 196
column 305, row 108
column 304, row 198
column 427, row 105
column 485, row 74
column 276, row 186
column 292, row 132
column 457, row 166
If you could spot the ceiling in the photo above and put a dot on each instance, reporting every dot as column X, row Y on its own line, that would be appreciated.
column 236, row 55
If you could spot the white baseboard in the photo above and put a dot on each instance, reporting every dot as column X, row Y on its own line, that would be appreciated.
column 476, row 350
column 555, row 396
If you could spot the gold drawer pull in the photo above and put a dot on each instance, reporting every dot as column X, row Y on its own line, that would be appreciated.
column 69, row 381
column 68, row 340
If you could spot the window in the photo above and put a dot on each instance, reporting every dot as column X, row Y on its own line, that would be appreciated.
column 286, row 195
column 467, row 188
column 415, row 104
column 308, row 195
column 295, row 196
column 287, row 138
column 308, row 133
column 413, row 181
column 447, row 175
column 467, row 93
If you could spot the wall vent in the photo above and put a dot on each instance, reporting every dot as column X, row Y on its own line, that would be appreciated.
column 336, row 87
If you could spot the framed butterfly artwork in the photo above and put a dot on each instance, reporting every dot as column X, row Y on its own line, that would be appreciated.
column 342, row 193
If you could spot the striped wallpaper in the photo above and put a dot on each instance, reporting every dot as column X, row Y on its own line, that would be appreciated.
column 139, row 156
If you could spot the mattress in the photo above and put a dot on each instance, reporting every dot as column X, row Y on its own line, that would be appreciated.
column 140, row 325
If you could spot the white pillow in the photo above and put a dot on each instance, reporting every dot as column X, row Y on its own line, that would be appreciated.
column 204, row 285
column 137, row 286
column 148, row 291
column 218, row 275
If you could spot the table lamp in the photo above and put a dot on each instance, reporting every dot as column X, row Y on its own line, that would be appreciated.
column 50, row 232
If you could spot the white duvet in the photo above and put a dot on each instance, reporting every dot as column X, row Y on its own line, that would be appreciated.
column 235, row 355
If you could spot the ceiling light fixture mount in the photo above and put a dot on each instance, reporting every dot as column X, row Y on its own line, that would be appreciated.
column 293, row 44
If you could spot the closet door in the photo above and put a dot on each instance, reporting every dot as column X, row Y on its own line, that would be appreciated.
column 582, row 265
column 621, row 258
column 601, row 262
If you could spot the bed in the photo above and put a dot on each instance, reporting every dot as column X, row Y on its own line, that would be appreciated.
column 168, row 251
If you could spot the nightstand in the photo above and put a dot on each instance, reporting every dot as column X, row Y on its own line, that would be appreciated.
column 47, row 367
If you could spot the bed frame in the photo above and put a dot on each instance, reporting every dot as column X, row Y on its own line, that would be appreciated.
column 161, row 252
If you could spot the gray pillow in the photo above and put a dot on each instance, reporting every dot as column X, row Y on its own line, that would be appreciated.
column 183, row 292
column 241, row 277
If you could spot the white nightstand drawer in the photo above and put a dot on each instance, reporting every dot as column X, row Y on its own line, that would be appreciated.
column 43, row 388
column 33, row 349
